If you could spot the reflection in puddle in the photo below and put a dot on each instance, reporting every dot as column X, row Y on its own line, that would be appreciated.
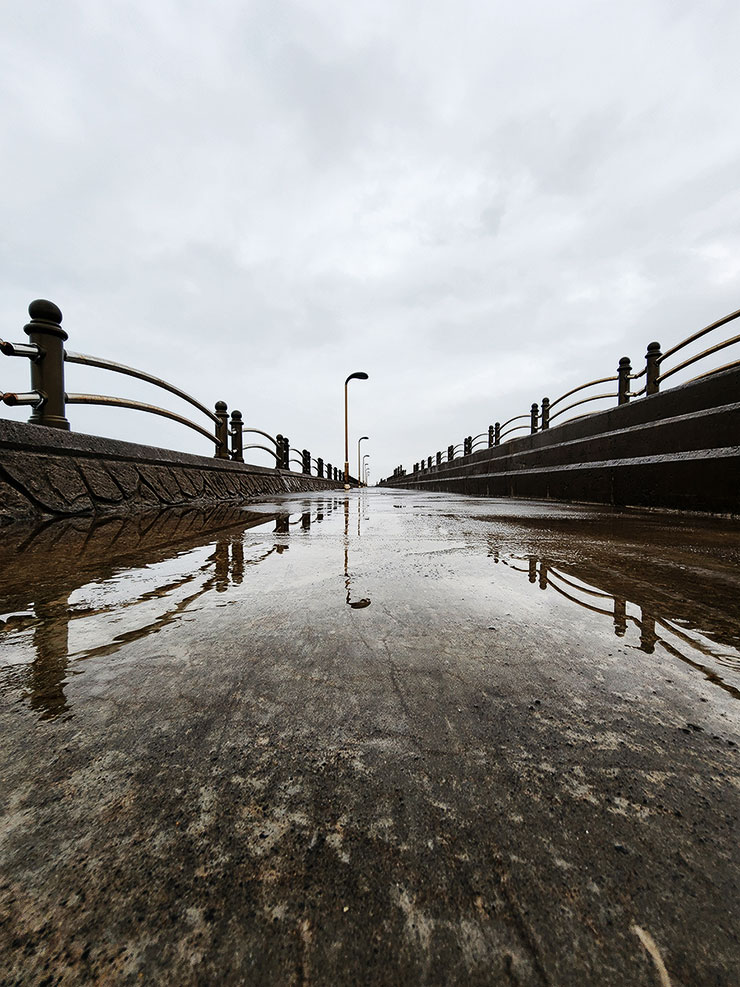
column 81, row 589
column 108, row 581
column 651, row 628
column 364, row 602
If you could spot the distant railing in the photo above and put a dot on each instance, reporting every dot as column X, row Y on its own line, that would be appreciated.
column 541, row 417
column 48, row 398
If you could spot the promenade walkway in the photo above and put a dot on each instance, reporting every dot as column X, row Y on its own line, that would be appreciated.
column 387, row 738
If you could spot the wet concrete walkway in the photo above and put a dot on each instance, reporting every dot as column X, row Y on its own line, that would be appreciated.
column 389, row 739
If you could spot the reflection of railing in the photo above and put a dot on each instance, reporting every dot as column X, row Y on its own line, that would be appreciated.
column 541, row 417
column 42, row 634
column 49, row 399
column 588, row 597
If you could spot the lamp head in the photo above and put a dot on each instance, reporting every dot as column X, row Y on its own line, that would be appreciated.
column 360, row 375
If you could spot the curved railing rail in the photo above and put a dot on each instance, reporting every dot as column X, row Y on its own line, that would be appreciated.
column 541, row 417
column 95, row 361
column 48, row 398
column 108, row 400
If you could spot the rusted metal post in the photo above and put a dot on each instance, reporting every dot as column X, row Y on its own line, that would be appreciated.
column 237, row 441
column 652, row 357
column 222, row 431
column 320, row 468
column 469, row 443
column 534, row 416
column 490, row 436
column 545, row 416
column 286, row 453
column 306, row 461
column 47, row 371
column 450, row 453
column 624, row 372
column 497, row 434
column 278, row 451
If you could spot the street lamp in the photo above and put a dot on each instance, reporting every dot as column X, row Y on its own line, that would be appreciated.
column 359, row 471
column 364, row 465
column 360, row 375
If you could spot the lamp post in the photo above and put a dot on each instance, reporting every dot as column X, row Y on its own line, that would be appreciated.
column 359, row 471
column 364, row 465
column 360, row 375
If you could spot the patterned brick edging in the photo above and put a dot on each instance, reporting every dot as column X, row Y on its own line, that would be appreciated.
column 46, row 472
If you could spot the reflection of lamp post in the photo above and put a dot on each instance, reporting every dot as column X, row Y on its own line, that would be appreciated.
column 360, row 375
column 355, row 604
column 359, row 471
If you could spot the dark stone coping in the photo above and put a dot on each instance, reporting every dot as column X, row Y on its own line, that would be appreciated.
column 46, row 471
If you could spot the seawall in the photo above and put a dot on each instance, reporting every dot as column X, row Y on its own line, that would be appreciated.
column 678, row 449
column 50, row 472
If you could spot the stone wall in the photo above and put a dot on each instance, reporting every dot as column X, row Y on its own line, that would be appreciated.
column 47, row 471
column 678, row 449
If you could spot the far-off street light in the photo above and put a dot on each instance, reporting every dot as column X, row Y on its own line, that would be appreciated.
column 361, row 439
column 360, row 375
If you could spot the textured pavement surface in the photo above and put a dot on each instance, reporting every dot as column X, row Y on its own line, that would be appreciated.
column 392, row 738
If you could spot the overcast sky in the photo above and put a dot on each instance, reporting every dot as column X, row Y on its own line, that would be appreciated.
column 478, row 203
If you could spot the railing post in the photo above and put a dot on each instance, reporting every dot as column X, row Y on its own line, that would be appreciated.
column 286, row 453
column 490, row 436
column 545, row 416
column 222, row 431
column 47, row 372
column 429, row 462
column 328, row 472
column 497, row 434
column 469, row 440
column 416, row 467
column 652, row 357
column 439, row 459
column 278, row 451
column 320, row 468
column 624, row 373
column 336, row 474
column 237, row 443
column 306, row 461
column 534, row 415
column 450, row 453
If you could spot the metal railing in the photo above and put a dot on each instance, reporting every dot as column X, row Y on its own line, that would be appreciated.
column 49, row 399
column 541, row 416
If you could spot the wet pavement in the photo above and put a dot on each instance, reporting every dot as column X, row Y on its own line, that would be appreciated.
column 392, row 738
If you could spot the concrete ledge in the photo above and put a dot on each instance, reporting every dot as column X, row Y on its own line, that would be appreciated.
column 47, row 471
column 679, row 449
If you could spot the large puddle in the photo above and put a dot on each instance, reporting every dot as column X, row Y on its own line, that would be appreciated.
column 82, row 590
